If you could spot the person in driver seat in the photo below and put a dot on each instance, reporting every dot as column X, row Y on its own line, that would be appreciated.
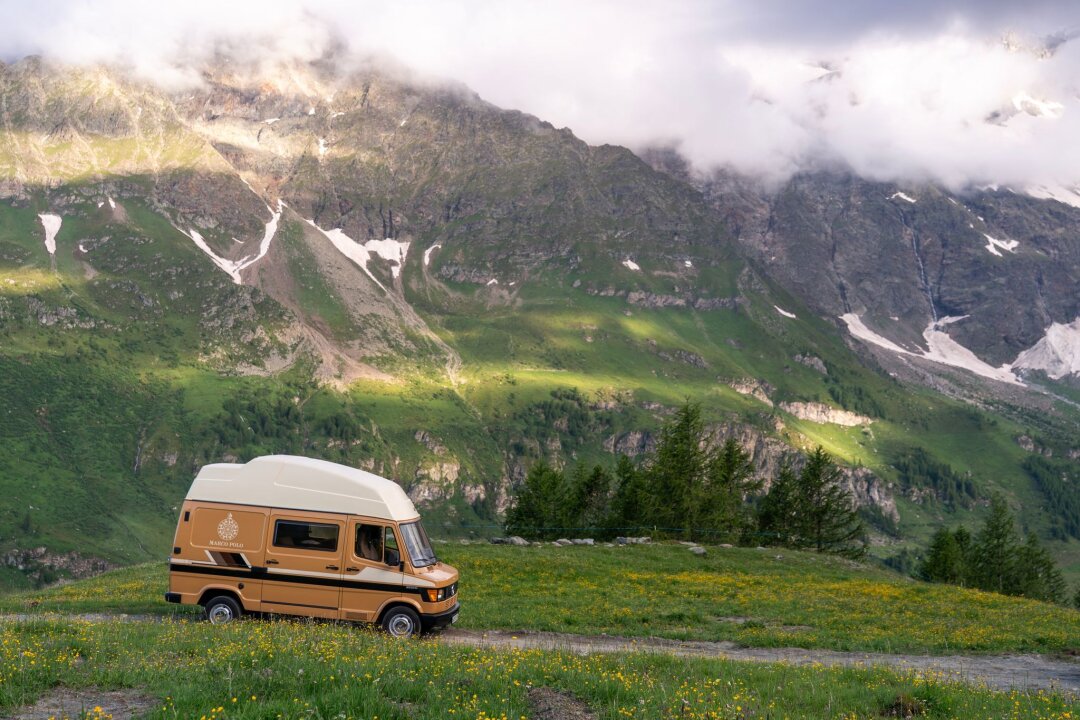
column 369, row 542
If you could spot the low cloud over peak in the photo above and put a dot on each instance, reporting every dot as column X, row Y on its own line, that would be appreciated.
column 960, row 93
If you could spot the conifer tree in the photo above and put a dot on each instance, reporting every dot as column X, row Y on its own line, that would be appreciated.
column 944, row 561
column 678, row 470
column 812, row 509
column 589, row 496
column 539, row 510
column 1037, row 575
column 827, row 517
column 730, row 480
column 994, row 551
column 778, row 511
column 630, row 505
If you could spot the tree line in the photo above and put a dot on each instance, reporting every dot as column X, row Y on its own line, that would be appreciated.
column 691, row 489
column 995, row 559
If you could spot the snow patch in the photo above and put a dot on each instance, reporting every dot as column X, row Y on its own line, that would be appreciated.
column 427, row 253
column 902, row 196
column 784, row 312
column 112, row 203
column 945, row 350
column 994, row 244
column 322, row 146
column 360, row 253
column 51, row 223
column 270, row 121
column 1057, row 353
column 688, row 263
column 492, row 281
column 403, row 121
column 349, row 248
column 1061, row 193
column 100, row 203
column 311, row 111
column 393, row 251
column 631, row 265
column 942, row 348
column 233, row 267
column 857, row 328
column 82, row 248
column 336, row 114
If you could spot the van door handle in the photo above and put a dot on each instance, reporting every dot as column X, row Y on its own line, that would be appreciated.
column 271, row 562
column 331, row 567
column 352, row 569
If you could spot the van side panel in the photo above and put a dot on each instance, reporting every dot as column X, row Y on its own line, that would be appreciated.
column 220, row 548
column 303, row 573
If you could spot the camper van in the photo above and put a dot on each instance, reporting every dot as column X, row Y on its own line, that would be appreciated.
column 297, row 536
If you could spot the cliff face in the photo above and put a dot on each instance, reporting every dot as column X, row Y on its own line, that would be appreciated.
column 997, row 267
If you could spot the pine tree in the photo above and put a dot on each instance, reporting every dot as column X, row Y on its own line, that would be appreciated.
column 589, row 494
column 1038, row 577
column 994, row 552
column 629, row 507
column 812, row 509
column 778, row 511
column 828, row 519
column 730, row 480
column 678, row 470
column 539, row 510
column 944, row 561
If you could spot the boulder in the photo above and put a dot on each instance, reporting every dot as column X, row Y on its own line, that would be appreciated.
column 583, row 541
column 697, row 550
column 517, row 540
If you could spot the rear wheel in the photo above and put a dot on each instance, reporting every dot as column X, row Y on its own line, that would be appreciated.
column 401, row 622
column 222, row 609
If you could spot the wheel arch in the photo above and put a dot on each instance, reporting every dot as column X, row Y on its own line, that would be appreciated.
column 397, row 602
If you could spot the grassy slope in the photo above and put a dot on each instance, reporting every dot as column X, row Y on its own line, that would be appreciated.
column 753, row 597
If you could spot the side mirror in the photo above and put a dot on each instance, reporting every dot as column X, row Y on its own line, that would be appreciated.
column 392, row 557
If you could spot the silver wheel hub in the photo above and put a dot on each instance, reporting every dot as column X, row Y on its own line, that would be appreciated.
column 400, row 626
column 220, row 614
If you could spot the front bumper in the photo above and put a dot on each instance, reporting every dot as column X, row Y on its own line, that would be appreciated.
column 437, row 621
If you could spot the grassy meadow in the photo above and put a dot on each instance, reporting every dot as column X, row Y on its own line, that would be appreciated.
column 764, row 598
column 300, row 670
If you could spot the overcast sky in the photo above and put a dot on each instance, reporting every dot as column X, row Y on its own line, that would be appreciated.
column 895, row 90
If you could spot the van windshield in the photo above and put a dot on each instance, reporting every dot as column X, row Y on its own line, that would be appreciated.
column 416, row 540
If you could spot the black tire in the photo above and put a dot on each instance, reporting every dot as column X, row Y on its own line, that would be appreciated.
column 222, row 609
column 401, row 622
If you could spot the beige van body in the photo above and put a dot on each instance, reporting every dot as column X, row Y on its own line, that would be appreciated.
column 297, row 536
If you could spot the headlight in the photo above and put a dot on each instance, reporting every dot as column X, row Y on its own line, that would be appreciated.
column 435, row 595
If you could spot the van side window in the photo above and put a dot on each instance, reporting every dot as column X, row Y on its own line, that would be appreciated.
column 305, row 535
column 369, row 542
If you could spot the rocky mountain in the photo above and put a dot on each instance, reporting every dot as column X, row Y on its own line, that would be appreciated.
column 382, row 270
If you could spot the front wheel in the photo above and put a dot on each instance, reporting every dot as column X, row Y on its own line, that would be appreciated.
column 401, row 622
column 222, row 609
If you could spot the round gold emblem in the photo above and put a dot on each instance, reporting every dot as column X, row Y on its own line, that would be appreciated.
column 228, row 528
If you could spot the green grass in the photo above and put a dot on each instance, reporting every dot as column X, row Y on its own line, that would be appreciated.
column 284, row 669
column 752, row 597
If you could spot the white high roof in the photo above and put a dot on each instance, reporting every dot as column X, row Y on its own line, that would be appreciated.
column 299, row 483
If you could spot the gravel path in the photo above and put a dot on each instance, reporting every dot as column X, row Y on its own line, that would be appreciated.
column 1003, row 672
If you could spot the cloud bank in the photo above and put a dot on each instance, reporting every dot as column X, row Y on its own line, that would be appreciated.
column 956, row 92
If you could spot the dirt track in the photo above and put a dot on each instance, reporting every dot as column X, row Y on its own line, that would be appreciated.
column 1003, row 672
